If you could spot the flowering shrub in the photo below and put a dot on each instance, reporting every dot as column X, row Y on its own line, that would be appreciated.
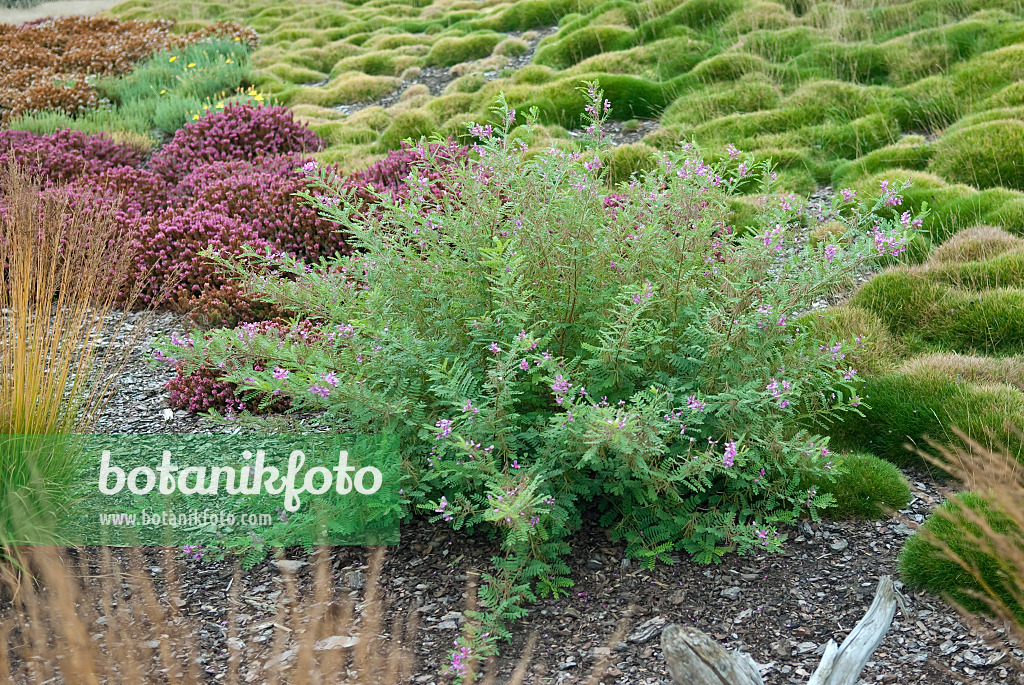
column 171, row 245
column 390, row 175
column 240, row 132
column 204, row 388
column 65, row 155
column 263, row 196
column 540, row 356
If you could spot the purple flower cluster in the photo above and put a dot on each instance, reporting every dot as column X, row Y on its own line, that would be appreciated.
column 204, row 388
column 240, row 132
column 65, row 155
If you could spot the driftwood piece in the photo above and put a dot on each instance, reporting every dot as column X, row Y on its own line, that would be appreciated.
column 693, row 658
column 842, row 665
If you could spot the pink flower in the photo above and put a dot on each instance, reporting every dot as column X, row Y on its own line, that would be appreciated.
column 320, row 390
column 693, row 403
column 494, row 348
column 730, row 453
column 331, row 379
column 280, row 374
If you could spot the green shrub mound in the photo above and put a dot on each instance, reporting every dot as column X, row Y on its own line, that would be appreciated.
column 907, row 408
column 547, row 352
column 984, row 155
column 868, row 488
column 924, row 566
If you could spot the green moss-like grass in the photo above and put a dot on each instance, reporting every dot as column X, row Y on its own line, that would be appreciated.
column 924, row 566
column 905, row 408
column 984, row 155
column 865, row 489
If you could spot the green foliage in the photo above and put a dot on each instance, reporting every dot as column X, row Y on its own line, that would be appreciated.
column 984, row 155
column 867, row 487
column 904, row 408
column 412, row 124
column 540, row 355
column 924, row 566
column 625, row 160
column 449, row 51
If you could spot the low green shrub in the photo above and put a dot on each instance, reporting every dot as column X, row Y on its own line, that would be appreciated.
column 581, row 354
column 866, row 489
column 924, row 565
column 985, row 156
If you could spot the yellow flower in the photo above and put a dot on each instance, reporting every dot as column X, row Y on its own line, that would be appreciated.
column 173, row 57
column 163, row 91
column 258, row 97
column 237, row 39
column 191, row 64
column 220, row 105
column 195, row 117
column 229, row 61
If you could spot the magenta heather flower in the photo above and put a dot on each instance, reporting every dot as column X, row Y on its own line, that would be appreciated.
column 239, row 132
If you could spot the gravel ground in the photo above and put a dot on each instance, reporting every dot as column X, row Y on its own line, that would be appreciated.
column 436, row 79
column 779, row 608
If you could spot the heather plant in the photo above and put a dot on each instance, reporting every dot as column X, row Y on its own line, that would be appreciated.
column 540, row 356
column 240, row 132
column 64, row 155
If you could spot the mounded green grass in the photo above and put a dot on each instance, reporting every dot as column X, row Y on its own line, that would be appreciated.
column 912, row 303
column 867, row 488
column 905, row 408
column 923, row 566
column 829, row 91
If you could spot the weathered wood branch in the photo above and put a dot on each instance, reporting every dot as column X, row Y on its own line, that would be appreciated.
column 693, row 658
column 842, row 666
